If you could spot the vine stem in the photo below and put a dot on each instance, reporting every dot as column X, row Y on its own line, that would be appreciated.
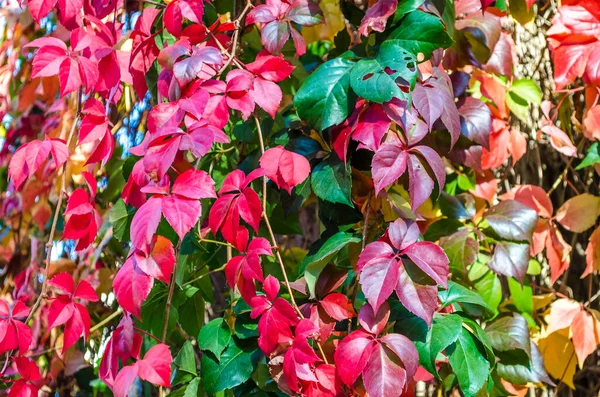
column 236, row 33
column 171, row 291
column 61, row 197
column 364, row 243
column 274, row 241
column 205, row 274
column 106, row 320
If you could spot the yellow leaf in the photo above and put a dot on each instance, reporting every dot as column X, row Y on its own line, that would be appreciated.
column 559, row 356
column 334, row 22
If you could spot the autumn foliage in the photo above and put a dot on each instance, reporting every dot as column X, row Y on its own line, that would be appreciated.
column 298, row 197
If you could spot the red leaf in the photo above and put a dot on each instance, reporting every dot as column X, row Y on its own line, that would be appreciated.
column 159, row 262
column 145, row 222
column 376, row 16
column 132, row 286
column 352, row 355
column 389, row 163
column 420, row 300
column 532, row 196
column 14, row 334
column 382, row 376
column 30, row 382
column 372, row 322
column 181, row 213
column 337, row 306
column 378, row 270
column 64, row 310
column 287, row 169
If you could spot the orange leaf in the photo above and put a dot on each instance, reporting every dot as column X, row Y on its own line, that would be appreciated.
column 592, row 253
column 591, row 123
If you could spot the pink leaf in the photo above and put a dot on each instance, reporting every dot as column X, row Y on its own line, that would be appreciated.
column 287, row 169
column 145, row 222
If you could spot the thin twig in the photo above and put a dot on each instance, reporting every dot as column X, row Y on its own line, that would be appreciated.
column 204, row 275
column 106, row 320
column 364, row 242
column 236, row 33
column 274, row 241
column 171, row 291
column 61, row 197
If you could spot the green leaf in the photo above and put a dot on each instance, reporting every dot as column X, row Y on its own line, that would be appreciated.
column 406, row 6
column 456, row 293
column 120, row 218
column 469, row 364
column 520, row 95
column 489, row 288
column 191, row 313
column 314, row 263
column 444, row 331
column 522, row 295
column 325, row 97
column 461, row 249
column 245, row 327
column 442, row 228
column 420, row 32
column 236, row 365
column 185, row 359
column 214, row 337
column 591, row 158
column 192, row 389
column 332, row 181
column 520, row 372
column 378, row 79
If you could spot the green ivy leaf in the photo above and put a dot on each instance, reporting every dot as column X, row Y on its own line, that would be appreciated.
column 191, row 313
column 236, row 365
column 185, row 359
column 444, row 331
column 406, row 6
column 520, row 95
column 192, row 389
column 120, row 218
column 214, row 337
column 314, row 263
column 332, row 181
column 469, row 364
column 379, row 79
column 325, row 98
column 420, row 32
column 456, row 293
column 461, row 249
column 489, row 288
column 522, row 295
column 591, row 158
